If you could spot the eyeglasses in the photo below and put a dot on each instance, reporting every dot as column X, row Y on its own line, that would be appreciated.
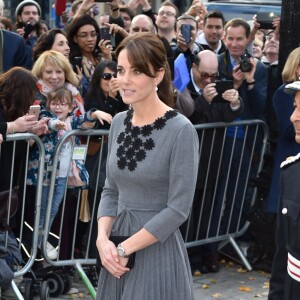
column 167, row 13
column 205, row 76
column 137, row 29
column 270, row 36
column 85, row 35
column 59, row 104
column 108, row 76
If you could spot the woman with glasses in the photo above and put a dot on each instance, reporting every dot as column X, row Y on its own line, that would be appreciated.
column 84, row 41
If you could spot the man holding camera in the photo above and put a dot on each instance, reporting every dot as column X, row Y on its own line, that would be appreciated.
column 28, row 14
column 250, row 79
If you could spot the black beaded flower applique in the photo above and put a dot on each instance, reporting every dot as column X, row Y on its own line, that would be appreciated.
column 134, row 142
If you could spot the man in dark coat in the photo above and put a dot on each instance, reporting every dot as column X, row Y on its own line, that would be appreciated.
column 13, row 50
column 209, row 108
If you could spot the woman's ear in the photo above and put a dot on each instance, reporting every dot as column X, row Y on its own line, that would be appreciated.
column 159, row 76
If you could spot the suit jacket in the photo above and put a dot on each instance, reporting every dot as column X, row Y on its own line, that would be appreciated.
column 15, row 52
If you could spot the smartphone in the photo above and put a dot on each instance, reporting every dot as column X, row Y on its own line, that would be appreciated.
column 186, row 32
column 27, row 30
column 77, row 62
column 265, row 19
column 35, row 110
column 223, row 85
column 105, row 35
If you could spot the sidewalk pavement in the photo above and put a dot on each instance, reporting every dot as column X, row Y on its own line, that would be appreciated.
column 231, row 282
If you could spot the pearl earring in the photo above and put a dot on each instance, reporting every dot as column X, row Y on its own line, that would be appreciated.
column 156, row 88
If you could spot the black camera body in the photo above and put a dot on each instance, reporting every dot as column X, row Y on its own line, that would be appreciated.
column 245, row 64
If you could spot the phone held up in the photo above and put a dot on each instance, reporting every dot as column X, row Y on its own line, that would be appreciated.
column 105, row 35
column 185, row 30
column 77, row 62
column 265, row 19
column 35, row 110
column 27, row 30
column 221, row 87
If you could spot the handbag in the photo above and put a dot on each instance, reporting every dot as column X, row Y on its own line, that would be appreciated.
column 4, row 203
column 118, row 239
column 93, row 147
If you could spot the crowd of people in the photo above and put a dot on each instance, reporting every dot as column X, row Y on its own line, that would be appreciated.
column 114, row 70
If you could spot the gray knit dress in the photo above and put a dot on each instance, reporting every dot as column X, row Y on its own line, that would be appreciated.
column 151, row 176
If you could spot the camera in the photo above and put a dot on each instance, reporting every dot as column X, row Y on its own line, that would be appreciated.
column 245, row 64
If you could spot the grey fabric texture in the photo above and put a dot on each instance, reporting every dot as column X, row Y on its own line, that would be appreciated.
column 156, row 196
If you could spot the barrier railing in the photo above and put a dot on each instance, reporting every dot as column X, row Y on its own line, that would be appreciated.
column 233, row 156
column 17, row 149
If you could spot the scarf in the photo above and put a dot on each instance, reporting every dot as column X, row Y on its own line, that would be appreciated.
column 77, row 99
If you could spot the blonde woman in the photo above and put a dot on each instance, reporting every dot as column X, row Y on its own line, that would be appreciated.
column 53, row 70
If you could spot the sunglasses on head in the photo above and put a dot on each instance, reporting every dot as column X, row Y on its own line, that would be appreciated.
column 108, row 76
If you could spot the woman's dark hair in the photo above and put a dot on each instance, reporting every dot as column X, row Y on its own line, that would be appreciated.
column 94, row 96
column 74, row 27
column 45, row 42
column 145, row 49
column 17, row 90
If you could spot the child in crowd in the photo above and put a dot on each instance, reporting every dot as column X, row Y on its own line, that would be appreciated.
column 59, row 112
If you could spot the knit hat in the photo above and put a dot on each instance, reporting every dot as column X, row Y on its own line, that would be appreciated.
column 292, row 88
column 26, row 3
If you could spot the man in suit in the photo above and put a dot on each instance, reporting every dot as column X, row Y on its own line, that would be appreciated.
column 12, row 49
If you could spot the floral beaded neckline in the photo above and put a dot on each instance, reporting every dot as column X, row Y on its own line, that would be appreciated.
column 134, row 141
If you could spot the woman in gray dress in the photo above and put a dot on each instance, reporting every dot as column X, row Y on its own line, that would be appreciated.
column 151, row 173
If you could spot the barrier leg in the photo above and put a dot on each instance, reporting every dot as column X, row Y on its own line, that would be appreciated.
column 16, row 290
column 86, row 280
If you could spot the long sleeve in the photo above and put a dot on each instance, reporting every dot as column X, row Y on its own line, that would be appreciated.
column 182, row 180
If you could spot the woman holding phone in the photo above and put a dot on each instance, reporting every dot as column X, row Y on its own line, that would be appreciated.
column 84, row 41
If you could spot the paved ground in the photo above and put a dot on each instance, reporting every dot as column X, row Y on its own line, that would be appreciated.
column 232, row 282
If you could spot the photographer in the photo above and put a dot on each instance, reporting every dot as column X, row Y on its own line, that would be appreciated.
column 28, row 14
column 250, row 79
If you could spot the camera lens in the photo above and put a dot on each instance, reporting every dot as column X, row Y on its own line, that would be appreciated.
column 245, row 64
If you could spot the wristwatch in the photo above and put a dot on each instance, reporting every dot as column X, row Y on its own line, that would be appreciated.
column 121, row 251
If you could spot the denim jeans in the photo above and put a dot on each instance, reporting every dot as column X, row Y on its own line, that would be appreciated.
column 58, row 195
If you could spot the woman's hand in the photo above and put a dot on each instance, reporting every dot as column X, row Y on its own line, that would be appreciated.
column 110, row 259
column 106, row 49
column 101, row 116
column 22, row 124
column 113, row 88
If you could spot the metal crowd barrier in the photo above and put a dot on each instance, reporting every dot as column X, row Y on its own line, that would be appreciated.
column 67, row 225
column 233, row 156
column 27, row 239
column 218, row 216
